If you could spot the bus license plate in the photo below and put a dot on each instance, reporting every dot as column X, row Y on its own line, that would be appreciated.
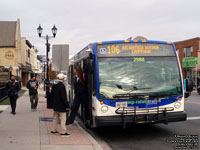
column 121, row 104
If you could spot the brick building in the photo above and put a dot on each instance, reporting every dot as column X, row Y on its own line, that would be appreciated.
column 189, row 55
column 30, row 63
column 26, row 65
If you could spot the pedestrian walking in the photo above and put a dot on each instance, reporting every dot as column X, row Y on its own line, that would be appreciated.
column 13, row 88
column 81, row 94
column 32, row 85
column 60, row 105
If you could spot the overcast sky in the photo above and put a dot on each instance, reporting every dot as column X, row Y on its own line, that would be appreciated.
column 81, row 22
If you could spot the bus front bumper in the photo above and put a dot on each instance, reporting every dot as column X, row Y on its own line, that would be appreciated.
column 140, row 119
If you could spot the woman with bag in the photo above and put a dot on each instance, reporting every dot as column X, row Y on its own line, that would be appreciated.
column 13, row 88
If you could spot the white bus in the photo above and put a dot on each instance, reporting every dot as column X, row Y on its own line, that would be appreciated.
column 130, row 82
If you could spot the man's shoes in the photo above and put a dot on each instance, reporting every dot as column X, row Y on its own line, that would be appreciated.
column 54, row 132
column 65, row 134
column 69, row 123
column 14, row 113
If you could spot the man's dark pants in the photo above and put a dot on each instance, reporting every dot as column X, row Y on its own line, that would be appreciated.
column 82, row 99
column 34, row 101
column 75, row 107
column 13, row 100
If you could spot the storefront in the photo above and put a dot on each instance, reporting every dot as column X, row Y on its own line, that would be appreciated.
column 190, row 67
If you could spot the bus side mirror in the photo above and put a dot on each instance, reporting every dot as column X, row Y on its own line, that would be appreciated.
column 187, row 94
column 189, row 85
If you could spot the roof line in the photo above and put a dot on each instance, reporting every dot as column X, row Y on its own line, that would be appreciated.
column 16, row 27
column 188, row 39
column 29, row 43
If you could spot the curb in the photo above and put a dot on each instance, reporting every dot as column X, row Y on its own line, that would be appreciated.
column 3, row 107
column 95, row 144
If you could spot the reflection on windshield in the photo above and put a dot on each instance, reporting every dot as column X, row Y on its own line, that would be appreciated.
column 146, row 75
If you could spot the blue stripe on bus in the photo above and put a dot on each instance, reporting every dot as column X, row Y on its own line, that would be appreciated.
column 138, row 41
column 96, row 70
column 143, row 103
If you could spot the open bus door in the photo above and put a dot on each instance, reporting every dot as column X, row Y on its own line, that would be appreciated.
column 87, row 107
column 70, row 85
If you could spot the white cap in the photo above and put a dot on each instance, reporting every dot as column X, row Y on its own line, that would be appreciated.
column 60, row 76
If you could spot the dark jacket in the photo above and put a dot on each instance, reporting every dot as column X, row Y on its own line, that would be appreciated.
column 79, row 88
column 13, row 89
column 32, row 86
column 59, row 97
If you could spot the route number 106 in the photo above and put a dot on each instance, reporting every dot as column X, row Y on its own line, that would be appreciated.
column 113, row 49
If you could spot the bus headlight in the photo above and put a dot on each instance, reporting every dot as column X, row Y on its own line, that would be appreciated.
column 177, row 105
column 104, row 109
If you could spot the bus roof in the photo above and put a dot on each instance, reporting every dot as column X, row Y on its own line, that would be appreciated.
column 133, row 41
column 84, row 51
column 124, row 41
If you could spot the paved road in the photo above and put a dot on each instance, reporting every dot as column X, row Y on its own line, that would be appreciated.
column 154, row 137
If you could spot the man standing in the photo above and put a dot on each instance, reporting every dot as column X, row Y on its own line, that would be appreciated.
column 81, row 94
column 13, row 88
column 60, row 105
column 32, row 85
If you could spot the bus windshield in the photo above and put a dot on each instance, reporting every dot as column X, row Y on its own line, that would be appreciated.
column 149, row 74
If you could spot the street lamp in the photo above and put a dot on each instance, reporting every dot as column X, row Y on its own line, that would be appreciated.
column 10, row 70
column 54, row 31
column 17, row 71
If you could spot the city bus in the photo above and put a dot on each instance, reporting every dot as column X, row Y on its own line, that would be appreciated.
column 130, row 82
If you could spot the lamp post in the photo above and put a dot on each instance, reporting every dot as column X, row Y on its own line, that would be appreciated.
column 44, row 64
column 47, row 37
column 10, row 71
column 17, row 71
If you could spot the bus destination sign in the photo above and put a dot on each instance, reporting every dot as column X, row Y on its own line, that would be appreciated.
column 135, row 49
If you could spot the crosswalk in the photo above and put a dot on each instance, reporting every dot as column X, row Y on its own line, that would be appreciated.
column 193, row 118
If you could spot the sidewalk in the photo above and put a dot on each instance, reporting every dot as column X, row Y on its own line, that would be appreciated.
column 31, row 130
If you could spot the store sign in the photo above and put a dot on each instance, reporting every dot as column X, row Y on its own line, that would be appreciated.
column 190, row 62
column 4, row 74
column 9, row 55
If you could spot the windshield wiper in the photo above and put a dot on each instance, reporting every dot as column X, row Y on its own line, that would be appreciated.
column 119, row 86
column 129, row 96
column 160, row 95
column 142, row 96
column 134, row 87
column 144, row 88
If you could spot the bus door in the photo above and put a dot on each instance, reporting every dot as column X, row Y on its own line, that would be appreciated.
column 70, row 85
column 89, row 75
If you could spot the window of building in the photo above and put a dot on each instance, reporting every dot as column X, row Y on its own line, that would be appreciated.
column 188, row 51
column 28, row 55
